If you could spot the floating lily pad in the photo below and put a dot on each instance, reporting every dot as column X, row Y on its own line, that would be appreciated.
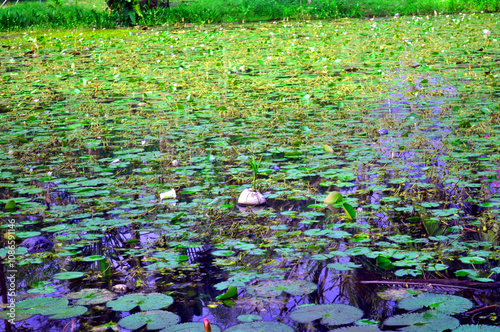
column 222, row 253
column 53, row 229
column 92, row 296
column 477, row 328
column 276, row 287
column 94, row 258
column 437, row 267
column 357, row 329
column 24, row 235
column 249, row 318
column 428, row 321
column 154, row 319
column 144, row 301
column 330, row 314
column 473, row 260
column 68, row 275
column 191, row 327
column 17, row 317
column 36, row 306
column 449, row 304
column 260, row 326
column 65, row 312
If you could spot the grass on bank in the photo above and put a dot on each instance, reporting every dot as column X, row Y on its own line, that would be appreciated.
column 94, row 14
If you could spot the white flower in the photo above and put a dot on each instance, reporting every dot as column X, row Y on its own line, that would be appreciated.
column 168, row 194
column 49, row 173
column 486, row 32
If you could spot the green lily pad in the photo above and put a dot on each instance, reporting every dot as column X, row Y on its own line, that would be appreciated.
column 357, row 329
column 473, row 260
column 222, row 253
column 448, row 304
column 154, row 319
column 477, row 328
column 260, row 326
column 330, row 314
column 17, row 317
column 428, row 321
column 37, row 306
column 144, row 301
column 68, row 275
column 91, row 296
column 65, row 312
column 249, row 318
column 24, row 235
column 191, row 327
column 53, row 229
column 276, row 287
column 94, row 258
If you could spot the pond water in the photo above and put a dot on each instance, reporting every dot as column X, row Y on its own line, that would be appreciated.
column 400, row 117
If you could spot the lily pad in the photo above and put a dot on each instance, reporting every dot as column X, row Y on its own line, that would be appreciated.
column 276, row 287
column 477, row 328
column 222, row 253
column 422, row 322
column 53, row 229
column 94, row 258
column 330, row 314
column 144, row 301
column 36, row 306
column 448, row 304
column 17, row 317
column 357, row 329
column 154, row 319
column 260, row 326
column 68, row 275
column 249, row 318
column 191, row 327
column 24, row 235
column 39, row 304
column 92, row 296
column 65, row 312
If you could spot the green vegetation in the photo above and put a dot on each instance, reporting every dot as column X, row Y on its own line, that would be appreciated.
column 95, row 14
column 55, row 14
column 374, row 141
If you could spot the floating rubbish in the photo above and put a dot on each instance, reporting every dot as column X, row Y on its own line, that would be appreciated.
column 251, row 197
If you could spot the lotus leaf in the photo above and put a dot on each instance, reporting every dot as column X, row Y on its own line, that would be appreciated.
column 330, row 314
column 144, row 301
